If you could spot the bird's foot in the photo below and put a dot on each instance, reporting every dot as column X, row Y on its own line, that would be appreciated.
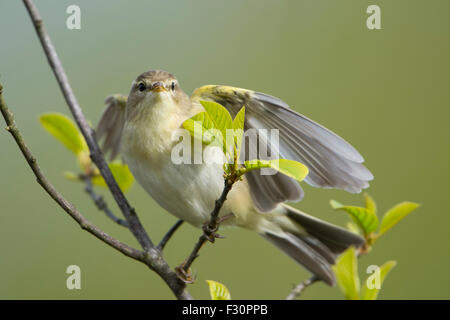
column 184, row 275
column 210, row 232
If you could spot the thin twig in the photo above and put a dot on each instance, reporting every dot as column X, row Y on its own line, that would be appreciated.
column 168, row 235
column 95, row 152
column 101, row 203
column 208, row 234
column 298, row 289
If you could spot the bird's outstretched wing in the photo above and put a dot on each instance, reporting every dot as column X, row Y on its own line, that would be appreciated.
column 332, row 162
column 111, row 124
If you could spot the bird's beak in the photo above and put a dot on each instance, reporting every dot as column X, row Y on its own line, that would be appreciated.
column 158, row 87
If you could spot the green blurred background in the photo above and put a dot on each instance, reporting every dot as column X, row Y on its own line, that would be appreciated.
column 385, row 91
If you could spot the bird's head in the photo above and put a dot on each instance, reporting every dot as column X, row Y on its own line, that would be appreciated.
column 152, row 87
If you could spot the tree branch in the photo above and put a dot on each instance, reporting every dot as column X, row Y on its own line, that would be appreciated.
column 96, row 155
column 168, row 235
column 298, row 289
column 100, row 202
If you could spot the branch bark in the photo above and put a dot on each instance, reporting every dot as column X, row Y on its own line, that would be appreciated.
column 298, row 289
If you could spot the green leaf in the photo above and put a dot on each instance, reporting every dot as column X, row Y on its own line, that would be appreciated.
column 371, row 294
column 238, row 128
column 63, row 129
column 346, row 271
column 221, row 119
column 120, row 172
column 370, row 203
column 218, row 291
column 395, row 214
column 291, row 168
column 364, row 218
column 199, row 127
column 219, row 115
column 353, row 227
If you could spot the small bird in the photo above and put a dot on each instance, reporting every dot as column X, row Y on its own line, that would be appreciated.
column 141, row 127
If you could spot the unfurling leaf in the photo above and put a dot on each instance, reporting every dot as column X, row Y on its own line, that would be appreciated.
column 291, row 168
column 120, row 172
column 366, row 219
column 218, row 291
column 370, row 203
column 346, row 271
column 395, row 214
column 63, row 129
column 371, row 294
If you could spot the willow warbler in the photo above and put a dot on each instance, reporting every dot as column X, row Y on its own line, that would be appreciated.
column 141, row 127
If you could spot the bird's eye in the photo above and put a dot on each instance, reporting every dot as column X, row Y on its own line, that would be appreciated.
column 141, row 86
column 172, row 86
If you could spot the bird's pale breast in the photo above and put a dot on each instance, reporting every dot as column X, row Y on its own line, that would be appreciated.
column 188, row 191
